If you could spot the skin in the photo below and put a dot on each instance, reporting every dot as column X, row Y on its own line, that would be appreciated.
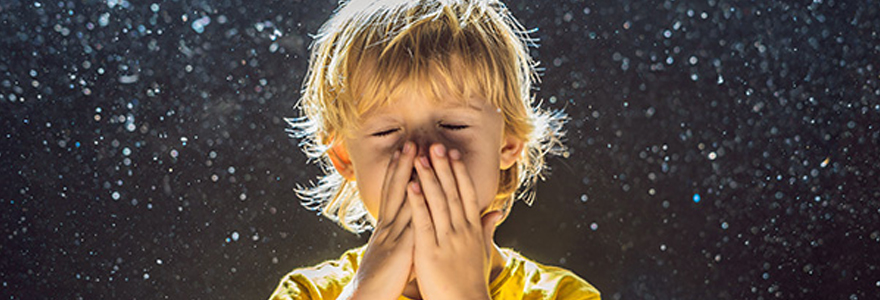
column 427, row 170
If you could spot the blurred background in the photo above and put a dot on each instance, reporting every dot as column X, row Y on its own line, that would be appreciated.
column 718, row 149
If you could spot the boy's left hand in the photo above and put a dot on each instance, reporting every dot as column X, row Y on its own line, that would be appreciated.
column 453, row 244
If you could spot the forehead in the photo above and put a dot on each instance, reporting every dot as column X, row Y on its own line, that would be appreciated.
column 421, row 94
column 446, row 82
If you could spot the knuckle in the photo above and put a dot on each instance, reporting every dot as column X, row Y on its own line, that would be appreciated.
column 387, row 224
column 380, row 226
column 379, row 235
column 452, row 197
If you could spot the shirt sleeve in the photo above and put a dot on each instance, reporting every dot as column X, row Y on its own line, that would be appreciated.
column 296, row 286
column 323, row 281
column 574, row 288
column 553, row 283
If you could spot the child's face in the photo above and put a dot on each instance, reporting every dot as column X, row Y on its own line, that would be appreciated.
column 475, row 129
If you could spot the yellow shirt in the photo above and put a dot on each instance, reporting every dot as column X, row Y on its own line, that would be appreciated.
column 521, row 278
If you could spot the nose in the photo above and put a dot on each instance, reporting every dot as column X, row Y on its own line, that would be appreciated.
column 424, row 138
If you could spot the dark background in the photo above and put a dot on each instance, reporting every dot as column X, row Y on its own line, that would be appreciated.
column 718, row 149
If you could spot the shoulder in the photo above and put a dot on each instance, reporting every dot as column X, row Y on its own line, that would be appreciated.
column 549, row 282
column 322, row 281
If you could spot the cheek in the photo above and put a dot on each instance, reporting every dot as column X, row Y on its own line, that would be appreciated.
column 371, row 161
column 369, row 192
column 370, row 171
column 464, row 143
column 484, row 171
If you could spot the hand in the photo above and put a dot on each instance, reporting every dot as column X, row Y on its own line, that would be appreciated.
column 453, row 244
column 388, row 259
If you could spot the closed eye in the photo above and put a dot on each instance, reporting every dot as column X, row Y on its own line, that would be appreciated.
column 386, row 132
column 445, row 126
column 453, row 127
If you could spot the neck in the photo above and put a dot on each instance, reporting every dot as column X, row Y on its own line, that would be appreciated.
column 497, row 262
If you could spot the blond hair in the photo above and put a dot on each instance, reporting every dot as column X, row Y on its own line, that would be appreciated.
column 370, row 47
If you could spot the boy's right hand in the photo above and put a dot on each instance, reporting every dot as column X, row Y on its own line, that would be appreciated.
column 388, row 258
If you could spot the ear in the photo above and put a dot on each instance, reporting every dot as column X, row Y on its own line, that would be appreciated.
column 511, row 150
column 341, row 161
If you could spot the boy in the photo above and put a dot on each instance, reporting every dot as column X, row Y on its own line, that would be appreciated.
column 423, row 109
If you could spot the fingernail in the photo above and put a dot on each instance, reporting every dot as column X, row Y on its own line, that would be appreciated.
column 454, row 154
column 407, row 147
column 440, row 150
column 396, row 154
column 415, row 187
column 424, row 161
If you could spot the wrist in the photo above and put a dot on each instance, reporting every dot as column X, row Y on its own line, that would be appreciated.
column 482, row 294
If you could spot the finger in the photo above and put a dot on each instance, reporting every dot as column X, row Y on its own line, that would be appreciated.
column 434, row 196
column 396, row 190
column 386, row 182
column 447, row 183
column 403, row 221
column 423, row 228
column 403, row 235
column 465, row 188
